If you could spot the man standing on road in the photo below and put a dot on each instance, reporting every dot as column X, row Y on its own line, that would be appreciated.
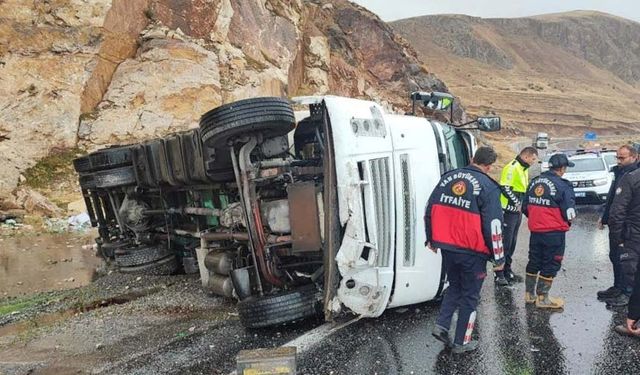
column 618, row 294
column 464, row 219
column 550, row 206
column 624, row 231
column 514, row 182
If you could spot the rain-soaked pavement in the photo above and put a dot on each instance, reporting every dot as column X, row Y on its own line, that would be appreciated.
column 514, row 339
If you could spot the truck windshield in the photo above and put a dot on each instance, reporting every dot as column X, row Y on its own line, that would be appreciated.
column 587, row 165
column 456, row 148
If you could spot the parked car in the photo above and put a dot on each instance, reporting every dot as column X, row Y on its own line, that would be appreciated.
column 325, row 219
column 610, row 158
column 591, row 177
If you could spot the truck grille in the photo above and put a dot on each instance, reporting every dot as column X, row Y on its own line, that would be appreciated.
column 381, row 183
column 582, row 184
column 407, row 210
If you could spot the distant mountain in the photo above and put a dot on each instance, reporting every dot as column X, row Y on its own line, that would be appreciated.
column 562, row 73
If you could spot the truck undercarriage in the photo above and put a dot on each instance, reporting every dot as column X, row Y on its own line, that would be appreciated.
column 234, row 200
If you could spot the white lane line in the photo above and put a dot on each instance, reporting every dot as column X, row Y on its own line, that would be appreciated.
column 314, row 337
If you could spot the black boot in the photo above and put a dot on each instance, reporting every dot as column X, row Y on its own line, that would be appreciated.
column 609, row 293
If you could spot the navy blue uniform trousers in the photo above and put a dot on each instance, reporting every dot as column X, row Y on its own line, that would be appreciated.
column 546, row 251
column 465, row 273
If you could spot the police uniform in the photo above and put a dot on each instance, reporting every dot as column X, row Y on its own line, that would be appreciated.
column 550, row 206
column 464, row 219
column 514, row 182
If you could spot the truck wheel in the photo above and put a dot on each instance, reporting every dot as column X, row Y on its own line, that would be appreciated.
column 136, row 256
column 161, row 267
column 259, row 312
column 108, row 249
column 114, row 177
column 270, row 116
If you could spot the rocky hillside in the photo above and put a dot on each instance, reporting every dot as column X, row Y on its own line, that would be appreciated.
column 563, row 73
column 77, row 74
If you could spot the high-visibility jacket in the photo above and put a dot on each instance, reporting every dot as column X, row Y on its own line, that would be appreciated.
column 463, row 214
column 514, row 182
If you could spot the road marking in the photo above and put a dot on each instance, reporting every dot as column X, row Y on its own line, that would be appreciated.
column 314, row 337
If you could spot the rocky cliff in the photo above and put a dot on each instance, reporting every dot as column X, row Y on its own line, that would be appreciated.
column 562, row 73
column 77, row 73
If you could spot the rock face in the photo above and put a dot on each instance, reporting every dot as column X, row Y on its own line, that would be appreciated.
column 562, row 73
column 90, row 73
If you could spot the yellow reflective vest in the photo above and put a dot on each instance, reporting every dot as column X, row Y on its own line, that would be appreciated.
column 514, row 181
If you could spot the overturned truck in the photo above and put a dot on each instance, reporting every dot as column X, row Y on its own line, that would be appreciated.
column 292, row 218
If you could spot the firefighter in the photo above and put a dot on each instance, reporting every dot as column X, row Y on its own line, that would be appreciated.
column 464, row 219
column 514, row 182
column 550, row 206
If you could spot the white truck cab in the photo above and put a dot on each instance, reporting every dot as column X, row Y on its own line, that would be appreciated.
column 386, row 166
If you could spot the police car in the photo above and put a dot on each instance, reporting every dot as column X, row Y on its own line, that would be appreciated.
column 590, row 177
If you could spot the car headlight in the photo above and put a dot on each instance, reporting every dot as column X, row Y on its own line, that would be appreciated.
column 600, row 181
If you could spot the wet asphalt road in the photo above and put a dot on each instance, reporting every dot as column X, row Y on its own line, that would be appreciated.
column 514, row 339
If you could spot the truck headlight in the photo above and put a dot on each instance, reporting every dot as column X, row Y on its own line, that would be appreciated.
column 600, row 181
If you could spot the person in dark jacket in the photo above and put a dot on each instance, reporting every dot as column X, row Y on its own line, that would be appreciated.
column 624, row 229
column 464, row 219
column 618, row 294
column 550, row 207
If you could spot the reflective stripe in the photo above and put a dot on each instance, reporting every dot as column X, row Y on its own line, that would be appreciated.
column 469, row 331
column 496, row 239
column 571, row 213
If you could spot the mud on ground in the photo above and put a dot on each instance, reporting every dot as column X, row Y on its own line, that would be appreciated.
column 106, row 325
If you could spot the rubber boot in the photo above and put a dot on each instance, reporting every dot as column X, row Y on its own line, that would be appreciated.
column 544, row 301
column 530, row 288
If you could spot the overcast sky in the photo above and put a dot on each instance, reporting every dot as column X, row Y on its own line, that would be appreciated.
column 390, row 10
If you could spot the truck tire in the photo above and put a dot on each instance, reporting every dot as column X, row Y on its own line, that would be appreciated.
column 114, row 177
column 270, row 116
column 136, row 256
column 162, row 267
column 259, row 312
column 108, row 249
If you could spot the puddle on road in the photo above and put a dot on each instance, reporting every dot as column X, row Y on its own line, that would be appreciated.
column 30, row 264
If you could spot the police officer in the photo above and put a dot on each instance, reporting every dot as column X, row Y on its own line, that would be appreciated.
column 618, row 294
column 464, row 219
column 514, row 182
column 550, row 206
column 624, row 229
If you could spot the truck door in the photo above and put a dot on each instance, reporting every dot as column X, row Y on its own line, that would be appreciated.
column 364, row 175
